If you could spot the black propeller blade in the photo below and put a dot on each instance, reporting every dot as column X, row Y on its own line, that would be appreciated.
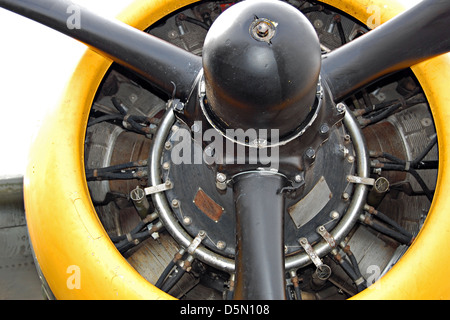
column 417, row 34
column 260, row 236
column 158, row 61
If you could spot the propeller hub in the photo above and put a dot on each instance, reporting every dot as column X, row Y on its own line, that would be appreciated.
column 261, row 62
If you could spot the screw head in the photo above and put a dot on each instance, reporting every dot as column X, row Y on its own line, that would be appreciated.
column 324, row 128
column 221, row 245
column 209, row 151
column 178, row 106
column 310, row 153
column 334, row 214
column 221, row 177
column 187, row 220
column 340, row 107
column 195, row 127
column 262, row 29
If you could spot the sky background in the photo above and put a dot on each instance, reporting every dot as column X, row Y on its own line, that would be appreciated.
column 35, row 64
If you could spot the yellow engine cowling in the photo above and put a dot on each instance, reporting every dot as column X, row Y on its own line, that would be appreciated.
column 75, row 254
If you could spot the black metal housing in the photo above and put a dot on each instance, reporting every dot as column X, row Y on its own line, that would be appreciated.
column 266, row 79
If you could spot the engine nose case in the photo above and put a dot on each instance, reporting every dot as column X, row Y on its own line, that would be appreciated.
column 262, row 69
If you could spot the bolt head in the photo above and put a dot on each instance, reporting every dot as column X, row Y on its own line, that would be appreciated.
column 178, row 106
column 195, row 127
column 209, row 151
column 340, row 107
column 221, row 245
column 263, row 29
column 187, row 220
column 334, row 214
column 221, row 177
column 324, row 128
column 310, row 153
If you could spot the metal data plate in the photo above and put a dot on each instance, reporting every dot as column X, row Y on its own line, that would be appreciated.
column 308, row 207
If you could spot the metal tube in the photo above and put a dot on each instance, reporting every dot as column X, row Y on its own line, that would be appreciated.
column 378, row 191
column 140, row 201
column 163, row 207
